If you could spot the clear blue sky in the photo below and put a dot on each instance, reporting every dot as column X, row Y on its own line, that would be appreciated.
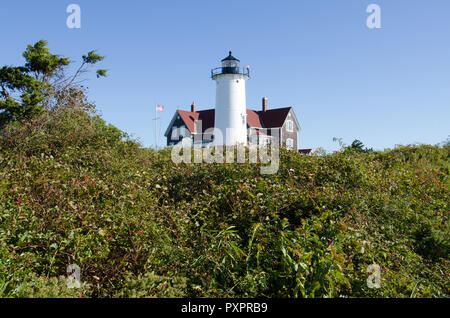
column 383, row 86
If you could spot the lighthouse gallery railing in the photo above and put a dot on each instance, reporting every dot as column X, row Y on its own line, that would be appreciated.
column 230, row 70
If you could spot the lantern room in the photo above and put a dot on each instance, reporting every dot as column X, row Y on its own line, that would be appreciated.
column 230, row 65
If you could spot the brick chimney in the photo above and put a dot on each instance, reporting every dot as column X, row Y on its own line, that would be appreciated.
column 265, row 104
column 193, row 107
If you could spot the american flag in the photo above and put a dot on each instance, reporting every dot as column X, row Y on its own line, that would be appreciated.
column 159, row 108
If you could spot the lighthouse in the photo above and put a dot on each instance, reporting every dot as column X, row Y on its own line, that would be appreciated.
column 231, row 106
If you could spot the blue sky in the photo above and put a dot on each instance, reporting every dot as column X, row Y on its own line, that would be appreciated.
column 383, row 86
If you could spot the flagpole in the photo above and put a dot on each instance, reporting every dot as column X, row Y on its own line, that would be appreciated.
column 156, row 127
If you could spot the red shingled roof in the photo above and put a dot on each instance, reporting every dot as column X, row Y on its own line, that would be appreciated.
column 206, row 116
column 272, row 118
column 253, row 119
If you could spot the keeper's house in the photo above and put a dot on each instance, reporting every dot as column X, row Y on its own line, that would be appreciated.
column 238, row 124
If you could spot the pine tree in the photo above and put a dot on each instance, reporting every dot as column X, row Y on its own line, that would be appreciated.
column 26, row 91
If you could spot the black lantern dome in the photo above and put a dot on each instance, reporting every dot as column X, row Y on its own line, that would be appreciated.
column 230, row 65
column 230, row 61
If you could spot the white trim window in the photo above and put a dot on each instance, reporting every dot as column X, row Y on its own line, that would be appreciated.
column 290, row 125
column 179, row 132
column 289, row 143
column 175, row 134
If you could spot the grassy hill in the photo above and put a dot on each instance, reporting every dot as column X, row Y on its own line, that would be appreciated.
column 72, row 191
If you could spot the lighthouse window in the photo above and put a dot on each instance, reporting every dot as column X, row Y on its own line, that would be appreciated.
column 229, row 63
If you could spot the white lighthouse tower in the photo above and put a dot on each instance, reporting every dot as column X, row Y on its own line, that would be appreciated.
column 231, row 106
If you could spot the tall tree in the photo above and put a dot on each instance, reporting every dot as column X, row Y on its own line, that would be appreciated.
column 26, row 91
column 357, row 145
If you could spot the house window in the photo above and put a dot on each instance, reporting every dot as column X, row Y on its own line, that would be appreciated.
column 178, row 132
column 183, row 131
column 173, row 135
column 289, row 143
column 290, row 125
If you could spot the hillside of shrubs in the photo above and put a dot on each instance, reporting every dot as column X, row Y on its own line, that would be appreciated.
column 74, row 190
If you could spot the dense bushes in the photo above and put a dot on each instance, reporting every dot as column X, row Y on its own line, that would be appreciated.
column 74, row 190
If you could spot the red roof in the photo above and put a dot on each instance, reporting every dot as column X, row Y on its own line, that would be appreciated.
column 253, row 119
column 272, row 118
column 206, row 116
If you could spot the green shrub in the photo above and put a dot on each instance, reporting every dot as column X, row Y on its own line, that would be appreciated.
column 154, row 286
column 74, row 190
column 43, row 287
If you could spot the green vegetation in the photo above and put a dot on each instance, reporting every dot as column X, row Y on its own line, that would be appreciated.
column 27, row 91
column 74, row 190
